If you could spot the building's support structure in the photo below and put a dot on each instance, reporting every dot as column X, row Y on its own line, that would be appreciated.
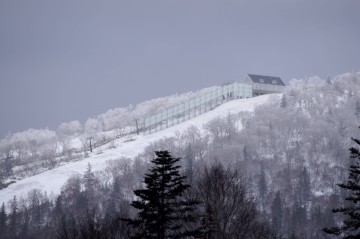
column 195, row 107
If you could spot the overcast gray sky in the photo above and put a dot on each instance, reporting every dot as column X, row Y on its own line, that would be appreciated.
column 73, row 59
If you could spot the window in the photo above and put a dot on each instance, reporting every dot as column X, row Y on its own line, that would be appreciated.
column 274, row 82
column 261, row 80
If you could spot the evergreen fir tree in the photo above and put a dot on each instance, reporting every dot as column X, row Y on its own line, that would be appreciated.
column 163, row 213
column 90, row 182
column 328, row 80
column 350, row 227
column 24, row 231
column 13, row 218
column 357, row 109
column 89, row 179
column 277, row 213
column 3, row 218
column 246, row 154
column 8, row 166
column 262, row 186
column 293, row 236
column 283, row 102
column 116, row 196
column 304, row 186
column 58, row 207
column 298, row 216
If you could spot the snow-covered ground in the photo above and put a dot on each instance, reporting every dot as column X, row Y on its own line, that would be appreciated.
column 52, row 180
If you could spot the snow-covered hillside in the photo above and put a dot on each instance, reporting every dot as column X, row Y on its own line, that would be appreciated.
column 51, row 181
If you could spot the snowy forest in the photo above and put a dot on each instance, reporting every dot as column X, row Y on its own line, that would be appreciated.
column 271, row 173
column 36, row 150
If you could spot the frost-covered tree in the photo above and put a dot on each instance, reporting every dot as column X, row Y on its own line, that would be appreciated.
column 70, row 129
column 34, row 143
column 6, row 147
column 92, row 127
column 198, row 141
column 116, row 118
column 221, row 130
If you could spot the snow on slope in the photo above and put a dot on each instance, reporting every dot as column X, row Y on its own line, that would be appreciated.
column 52, row 180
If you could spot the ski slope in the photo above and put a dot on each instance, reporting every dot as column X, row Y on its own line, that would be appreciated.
column 52, row 180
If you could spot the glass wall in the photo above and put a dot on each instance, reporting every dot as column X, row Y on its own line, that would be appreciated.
column 196, row 106
column 260, row 89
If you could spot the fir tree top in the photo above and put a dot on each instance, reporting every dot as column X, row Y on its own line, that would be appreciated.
column 163, row 212
column 350, row 227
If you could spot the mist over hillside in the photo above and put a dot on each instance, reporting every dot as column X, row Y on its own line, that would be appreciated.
column 289, row 151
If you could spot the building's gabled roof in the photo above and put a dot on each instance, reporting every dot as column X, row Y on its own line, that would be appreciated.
column 272, row 80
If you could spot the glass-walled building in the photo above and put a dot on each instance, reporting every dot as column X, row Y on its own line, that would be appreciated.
column 264, row 84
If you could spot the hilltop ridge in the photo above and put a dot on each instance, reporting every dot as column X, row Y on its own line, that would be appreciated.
column 52, row 180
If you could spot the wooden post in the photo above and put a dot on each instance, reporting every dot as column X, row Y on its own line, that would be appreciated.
column 90, row 138
column 137, row 126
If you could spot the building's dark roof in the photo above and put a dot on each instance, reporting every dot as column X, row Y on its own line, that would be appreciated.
column 266, row 79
